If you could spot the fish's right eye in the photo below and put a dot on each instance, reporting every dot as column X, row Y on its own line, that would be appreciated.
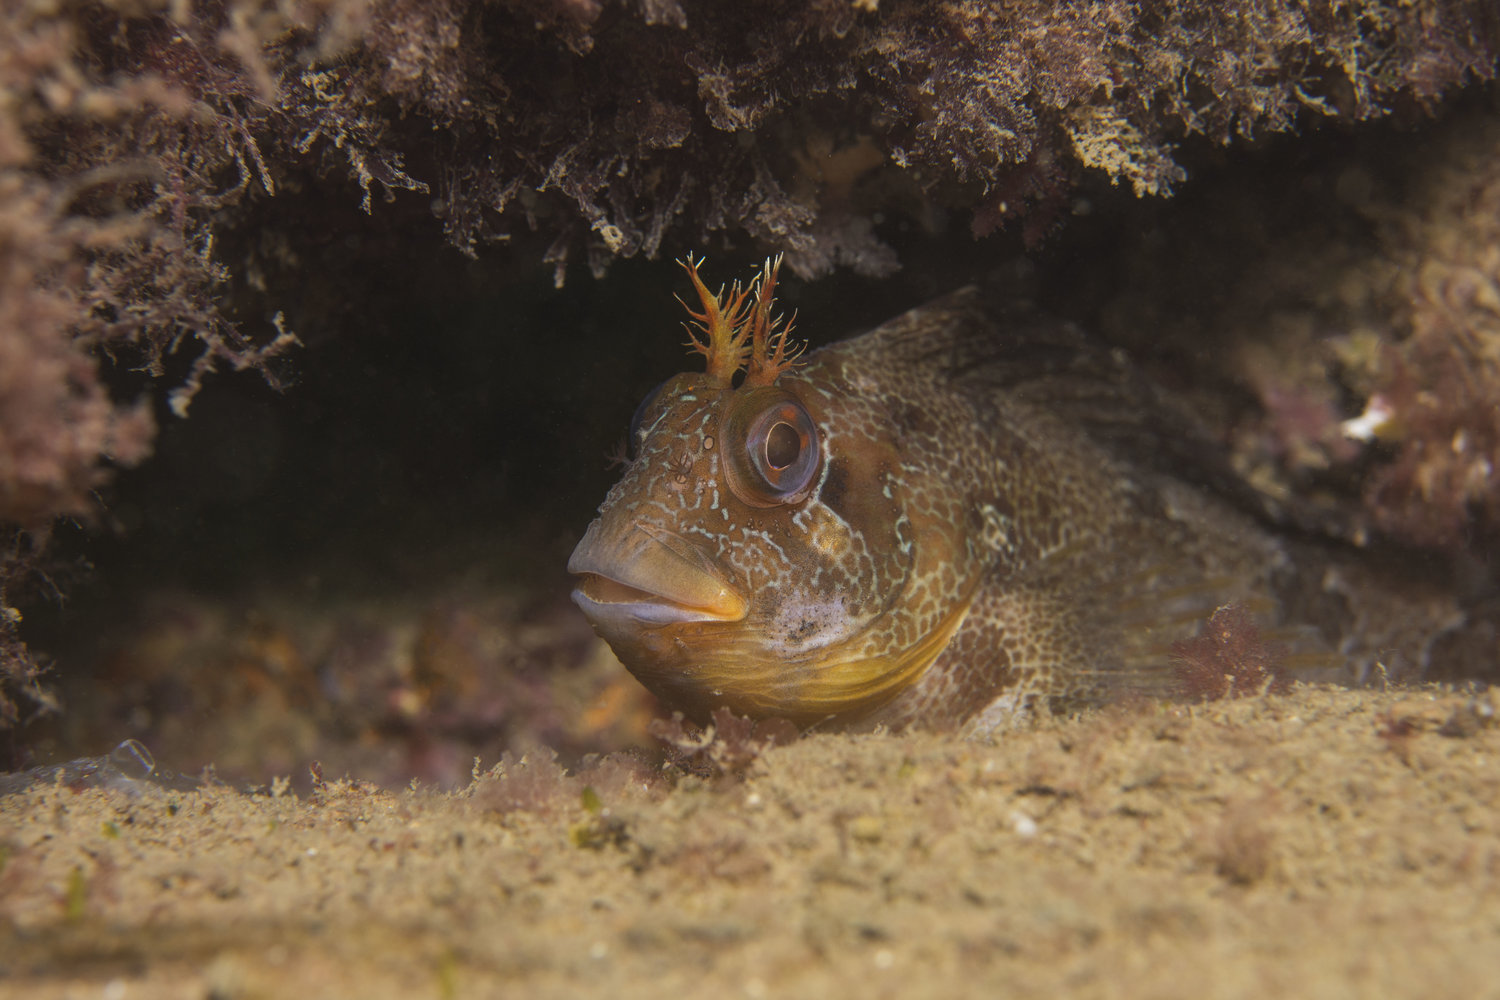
column 633, row 438
column 772, row 448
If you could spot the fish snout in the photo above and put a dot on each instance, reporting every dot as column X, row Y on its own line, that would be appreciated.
column 648, row 577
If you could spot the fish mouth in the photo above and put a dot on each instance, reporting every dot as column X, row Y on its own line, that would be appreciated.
column 655, row 577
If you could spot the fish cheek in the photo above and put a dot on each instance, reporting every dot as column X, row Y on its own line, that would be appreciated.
column 834, row 493
column 870, row 561
column 861, row 495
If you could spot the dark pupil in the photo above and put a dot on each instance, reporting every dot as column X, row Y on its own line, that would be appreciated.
column 783, row 445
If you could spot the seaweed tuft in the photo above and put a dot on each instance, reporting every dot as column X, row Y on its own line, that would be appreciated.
column 726, row 747
column 1227, row 659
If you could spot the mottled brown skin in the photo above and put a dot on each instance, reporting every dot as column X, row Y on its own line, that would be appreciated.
column 974, row 542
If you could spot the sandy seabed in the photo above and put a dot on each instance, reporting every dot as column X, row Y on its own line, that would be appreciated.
column 1322, row 843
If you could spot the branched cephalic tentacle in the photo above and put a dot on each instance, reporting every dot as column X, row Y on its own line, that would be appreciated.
column 738, row 329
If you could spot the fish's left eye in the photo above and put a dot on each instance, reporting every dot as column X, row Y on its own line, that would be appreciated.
column 774, row 448
column 633, row 437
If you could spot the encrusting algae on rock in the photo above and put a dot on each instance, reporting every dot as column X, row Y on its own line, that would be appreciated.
column 965, row 514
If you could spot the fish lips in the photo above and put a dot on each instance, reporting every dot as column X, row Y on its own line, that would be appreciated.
column 650, row 578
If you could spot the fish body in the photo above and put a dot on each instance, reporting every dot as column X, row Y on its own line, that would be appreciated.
column 933, row 524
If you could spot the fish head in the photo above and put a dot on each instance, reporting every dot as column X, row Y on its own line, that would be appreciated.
column 756, row 553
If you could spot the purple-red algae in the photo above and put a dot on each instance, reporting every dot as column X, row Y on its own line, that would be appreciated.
column 1227, row 659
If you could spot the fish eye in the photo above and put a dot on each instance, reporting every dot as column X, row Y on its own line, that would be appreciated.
column 633, row 437
column 773, row 446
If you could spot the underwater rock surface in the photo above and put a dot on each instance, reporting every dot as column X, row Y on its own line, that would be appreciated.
column 1318, row 843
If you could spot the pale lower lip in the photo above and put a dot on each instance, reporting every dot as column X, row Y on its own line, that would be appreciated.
column 646, row 610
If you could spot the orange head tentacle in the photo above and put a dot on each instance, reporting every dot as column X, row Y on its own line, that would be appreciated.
column 738, row 329
column 770, row 355
column 722, row 323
